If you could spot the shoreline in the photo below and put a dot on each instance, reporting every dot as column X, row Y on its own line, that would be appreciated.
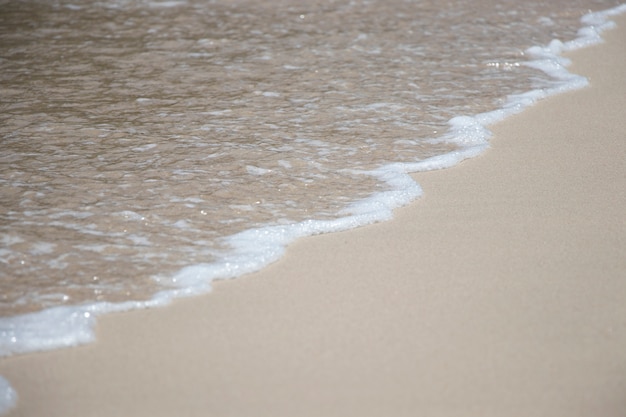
column 475, row 301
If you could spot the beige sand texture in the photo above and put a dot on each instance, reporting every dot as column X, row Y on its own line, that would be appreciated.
column 501, row 292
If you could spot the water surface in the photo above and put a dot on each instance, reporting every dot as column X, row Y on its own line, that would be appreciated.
column 136, row 136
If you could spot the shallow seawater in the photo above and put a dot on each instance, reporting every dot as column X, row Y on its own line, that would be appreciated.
column 137, row 136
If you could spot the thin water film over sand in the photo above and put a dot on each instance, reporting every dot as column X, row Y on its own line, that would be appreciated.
column 136, row 135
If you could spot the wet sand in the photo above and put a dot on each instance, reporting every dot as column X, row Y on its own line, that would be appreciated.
column 498, row 293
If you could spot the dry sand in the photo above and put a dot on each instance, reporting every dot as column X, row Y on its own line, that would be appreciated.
column 502, row 292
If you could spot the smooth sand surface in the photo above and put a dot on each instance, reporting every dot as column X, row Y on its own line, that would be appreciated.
column 501, row 292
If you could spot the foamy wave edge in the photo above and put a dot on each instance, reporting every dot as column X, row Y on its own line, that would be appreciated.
column 254, row 249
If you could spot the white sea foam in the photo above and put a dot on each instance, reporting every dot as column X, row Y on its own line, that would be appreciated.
column 255, row 248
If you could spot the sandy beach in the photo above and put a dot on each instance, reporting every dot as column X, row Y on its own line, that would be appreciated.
column 500, row 293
